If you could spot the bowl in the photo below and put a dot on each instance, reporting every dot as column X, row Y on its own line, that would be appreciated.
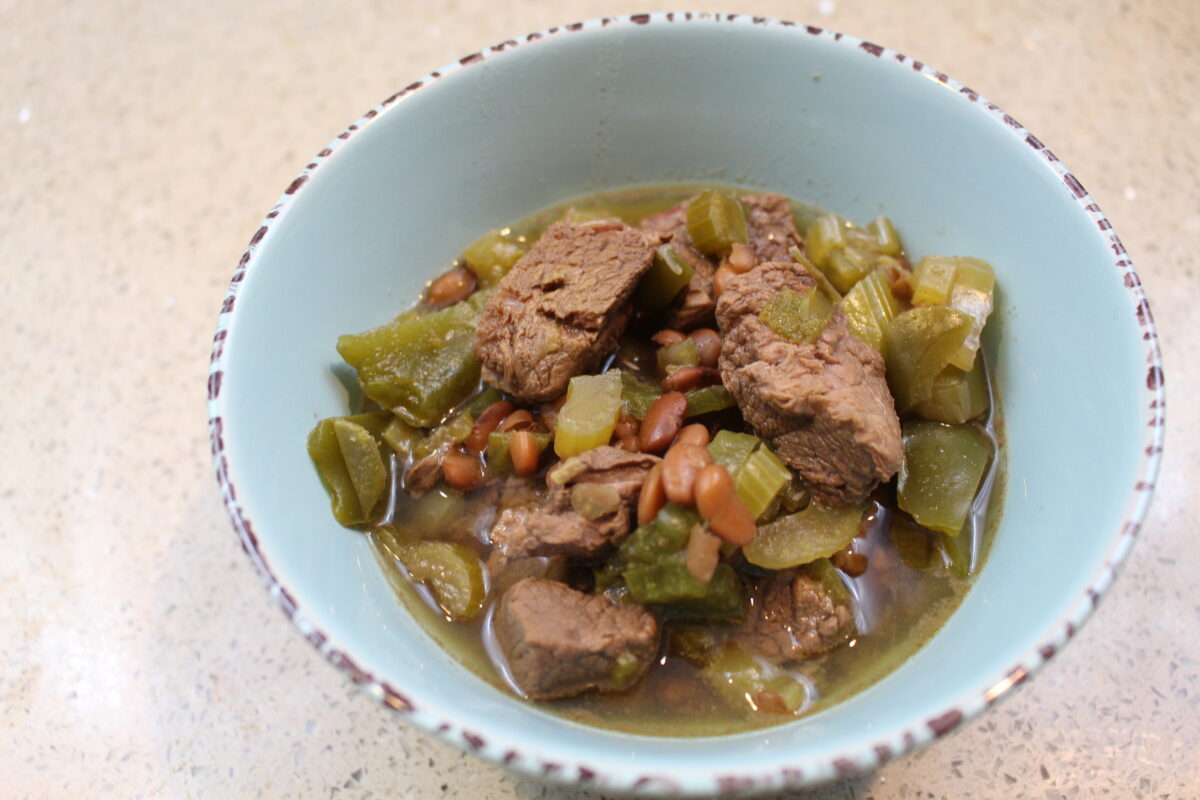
column 695, row 98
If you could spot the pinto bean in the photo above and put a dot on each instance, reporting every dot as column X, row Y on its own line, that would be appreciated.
column 708, row 342
column 489, row 418
column 685, row 379
column 720, row 278
column 681, row 465
column 626, row 426
column 667, row 336
column 652, row 498
column 849, row 562
column 523, row 450
column 520, row 419
column 718, row 502
column 662, row 422
column 462, row 471
column 703, row 554
column 742, row 258
column 451, row 287
column 693, row 434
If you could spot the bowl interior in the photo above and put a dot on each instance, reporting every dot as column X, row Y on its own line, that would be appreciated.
column 813, row 117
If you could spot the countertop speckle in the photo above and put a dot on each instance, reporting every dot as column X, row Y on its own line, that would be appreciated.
column 142, row 142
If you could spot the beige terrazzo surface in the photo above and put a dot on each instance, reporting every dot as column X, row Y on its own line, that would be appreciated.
column 139, row 654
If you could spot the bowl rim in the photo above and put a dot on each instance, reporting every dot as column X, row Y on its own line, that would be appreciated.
column 879, row 747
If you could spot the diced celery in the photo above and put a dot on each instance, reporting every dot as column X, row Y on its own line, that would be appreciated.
column 848, row 266
column 731, row 449
column 589, row 415
column 869, row 307
column 400, row 436
column 824, row 237
column 887, row 241
column 760, row 479
column 419, row 368
column 817, row 275
column 491, row 256
column 499, row 456
column 346, row 454
column 957, row 396
column 453, row 574
column 933, row 278
column 666, row 278
column 708, row 399
column 972, row 294
column 715, row 222
column 678, row 354
column 433, row 514
column 636, row 396
column 942, row 467
column 816, row 532
column 918, row 346
column 451, row 432
column 800, row 318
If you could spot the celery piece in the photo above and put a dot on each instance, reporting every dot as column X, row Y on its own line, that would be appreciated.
column 974, row 286
column 918, row 346
column 731, row 449
column 933, row 278
column 886, row 240
column 491, row 256
column 957, row 396
column 451, row 432
column 817, row 275
column 825, row 236
column 400, row 436
column 708, row 399
column 942, row 467
column 760, row 479
column 636, row 396
column 351, row 476
column 869, row 306
column 800, row 318
column 715, row 222
column 816, row 532
column 848, row 266
column 666, row 278
column 418, row 368
column 433, row 514
column 677, row 354
column 499, row 456
column 453, row 574
column 588, row 417
column 741, row 679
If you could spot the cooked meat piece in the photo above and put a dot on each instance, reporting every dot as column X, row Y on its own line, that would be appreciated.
column 506, row 572
column 694, row 308
column 424, row 473
column 771, row 227
column 793, row 617
column 559, row 642
column 825, row 406
column 588, row 509
column 561, row 308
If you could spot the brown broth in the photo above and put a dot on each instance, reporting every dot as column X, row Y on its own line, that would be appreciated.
column 898, row 606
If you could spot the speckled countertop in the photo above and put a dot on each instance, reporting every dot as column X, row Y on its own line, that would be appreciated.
column 142, row 142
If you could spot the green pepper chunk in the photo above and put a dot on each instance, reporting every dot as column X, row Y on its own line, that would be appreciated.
column 715, row 222
column 957, row 396
column 918, row 346
column 491, row 256
column 942, row 468
column 453, row 574
column 666, row 278
column 345, row 452
column 814, row 533
column 800, row 318
column 419, row 368
column 636, row 396
column 707, row 400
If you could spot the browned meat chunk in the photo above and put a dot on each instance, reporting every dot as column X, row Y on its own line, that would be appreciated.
column 794, row 617
column 770, row 227
column 589, row 507
column 825, row 406
column 506, row 572
column 559, row 642
column 561, row 308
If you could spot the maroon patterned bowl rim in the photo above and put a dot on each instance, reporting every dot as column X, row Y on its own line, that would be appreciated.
column 871, row 754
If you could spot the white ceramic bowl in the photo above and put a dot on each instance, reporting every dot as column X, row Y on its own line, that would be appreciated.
column 668, row 98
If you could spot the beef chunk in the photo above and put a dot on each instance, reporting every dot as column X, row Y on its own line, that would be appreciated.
column 793, row 617
column 570, row 521
column 770, row 226
column 771, row 230
column 561, row 308
column 559, row 642
column 825, row 406
column 505, row 572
